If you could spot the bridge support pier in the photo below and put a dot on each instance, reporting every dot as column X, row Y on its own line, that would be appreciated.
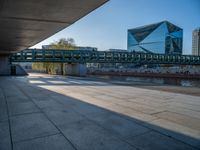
column 74, row 69
column 5, row 66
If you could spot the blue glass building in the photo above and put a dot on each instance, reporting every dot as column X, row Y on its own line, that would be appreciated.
column 162, row 38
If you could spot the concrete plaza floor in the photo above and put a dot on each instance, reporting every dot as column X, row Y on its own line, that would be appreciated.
column 42, row 112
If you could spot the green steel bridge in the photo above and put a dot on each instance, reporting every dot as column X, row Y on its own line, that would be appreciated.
column 86, row 56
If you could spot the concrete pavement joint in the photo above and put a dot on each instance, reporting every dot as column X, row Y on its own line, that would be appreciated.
column 158, row 112
column 48, row 118
column 9, row 124
column 84, row 116
column 116, row 136
column 36, row 138
column 178, row 128
column 142, row 124
column 25, row 114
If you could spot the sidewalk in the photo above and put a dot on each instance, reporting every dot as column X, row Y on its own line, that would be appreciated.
column 46, row 112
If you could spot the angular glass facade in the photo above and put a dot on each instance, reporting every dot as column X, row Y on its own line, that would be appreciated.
column 162, row 38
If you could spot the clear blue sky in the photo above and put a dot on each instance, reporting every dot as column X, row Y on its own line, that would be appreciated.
column 106, row 27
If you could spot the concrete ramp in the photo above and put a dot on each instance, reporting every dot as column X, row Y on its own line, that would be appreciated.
column 17, row 70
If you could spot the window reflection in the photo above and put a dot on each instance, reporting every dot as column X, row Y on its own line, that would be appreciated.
column 163, row 38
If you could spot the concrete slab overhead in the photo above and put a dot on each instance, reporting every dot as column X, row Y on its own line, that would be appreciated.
column 24, row 23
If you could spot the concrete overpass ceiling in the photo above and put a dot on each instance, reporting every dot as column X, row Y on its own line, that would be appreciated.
column 24, row 23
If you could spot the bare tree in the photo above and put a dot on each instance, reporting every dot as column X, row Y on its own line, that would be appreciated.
column 63, row 43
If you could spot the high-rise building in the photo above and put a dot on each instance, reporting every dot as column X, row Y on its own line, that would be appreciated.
column 196, row 42
column 162, row 38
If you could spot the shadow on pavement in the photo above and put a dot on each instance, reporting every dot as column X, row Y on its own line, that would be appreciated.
column 68, row 122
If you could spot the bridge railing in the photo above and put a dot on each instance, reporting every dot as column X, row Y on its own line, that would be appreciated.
column 78, row 56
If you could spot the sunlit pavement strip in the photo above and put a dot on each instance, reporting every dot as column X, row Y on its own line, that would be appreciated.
column 42, row 112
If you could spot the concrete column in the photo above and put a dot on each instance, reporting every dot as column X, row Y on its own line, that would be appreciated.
column 74, row 69
column 5, row 66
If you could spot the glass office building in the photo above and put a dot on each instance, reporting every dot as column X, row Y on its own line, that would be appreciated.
column 162, row 38
column 196, row 42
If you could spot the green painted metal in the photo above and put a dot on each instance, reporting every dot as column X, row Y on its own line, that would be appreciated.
column 84, row 56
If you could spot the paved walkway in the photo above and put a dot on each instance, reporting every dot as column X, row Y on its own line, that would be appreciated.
column 42, row 112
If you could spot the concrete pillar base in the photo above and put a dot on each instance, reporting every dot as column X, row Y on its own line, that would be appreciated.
column 74, row 69
column 5, row 66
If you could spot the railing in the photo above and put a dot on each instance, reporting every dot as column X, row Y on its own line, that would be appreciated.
column 80, row 56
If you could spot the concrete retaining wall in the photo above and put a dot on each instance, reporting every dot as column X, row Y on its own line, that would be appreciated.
column 5, row 65
column 74, row 69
